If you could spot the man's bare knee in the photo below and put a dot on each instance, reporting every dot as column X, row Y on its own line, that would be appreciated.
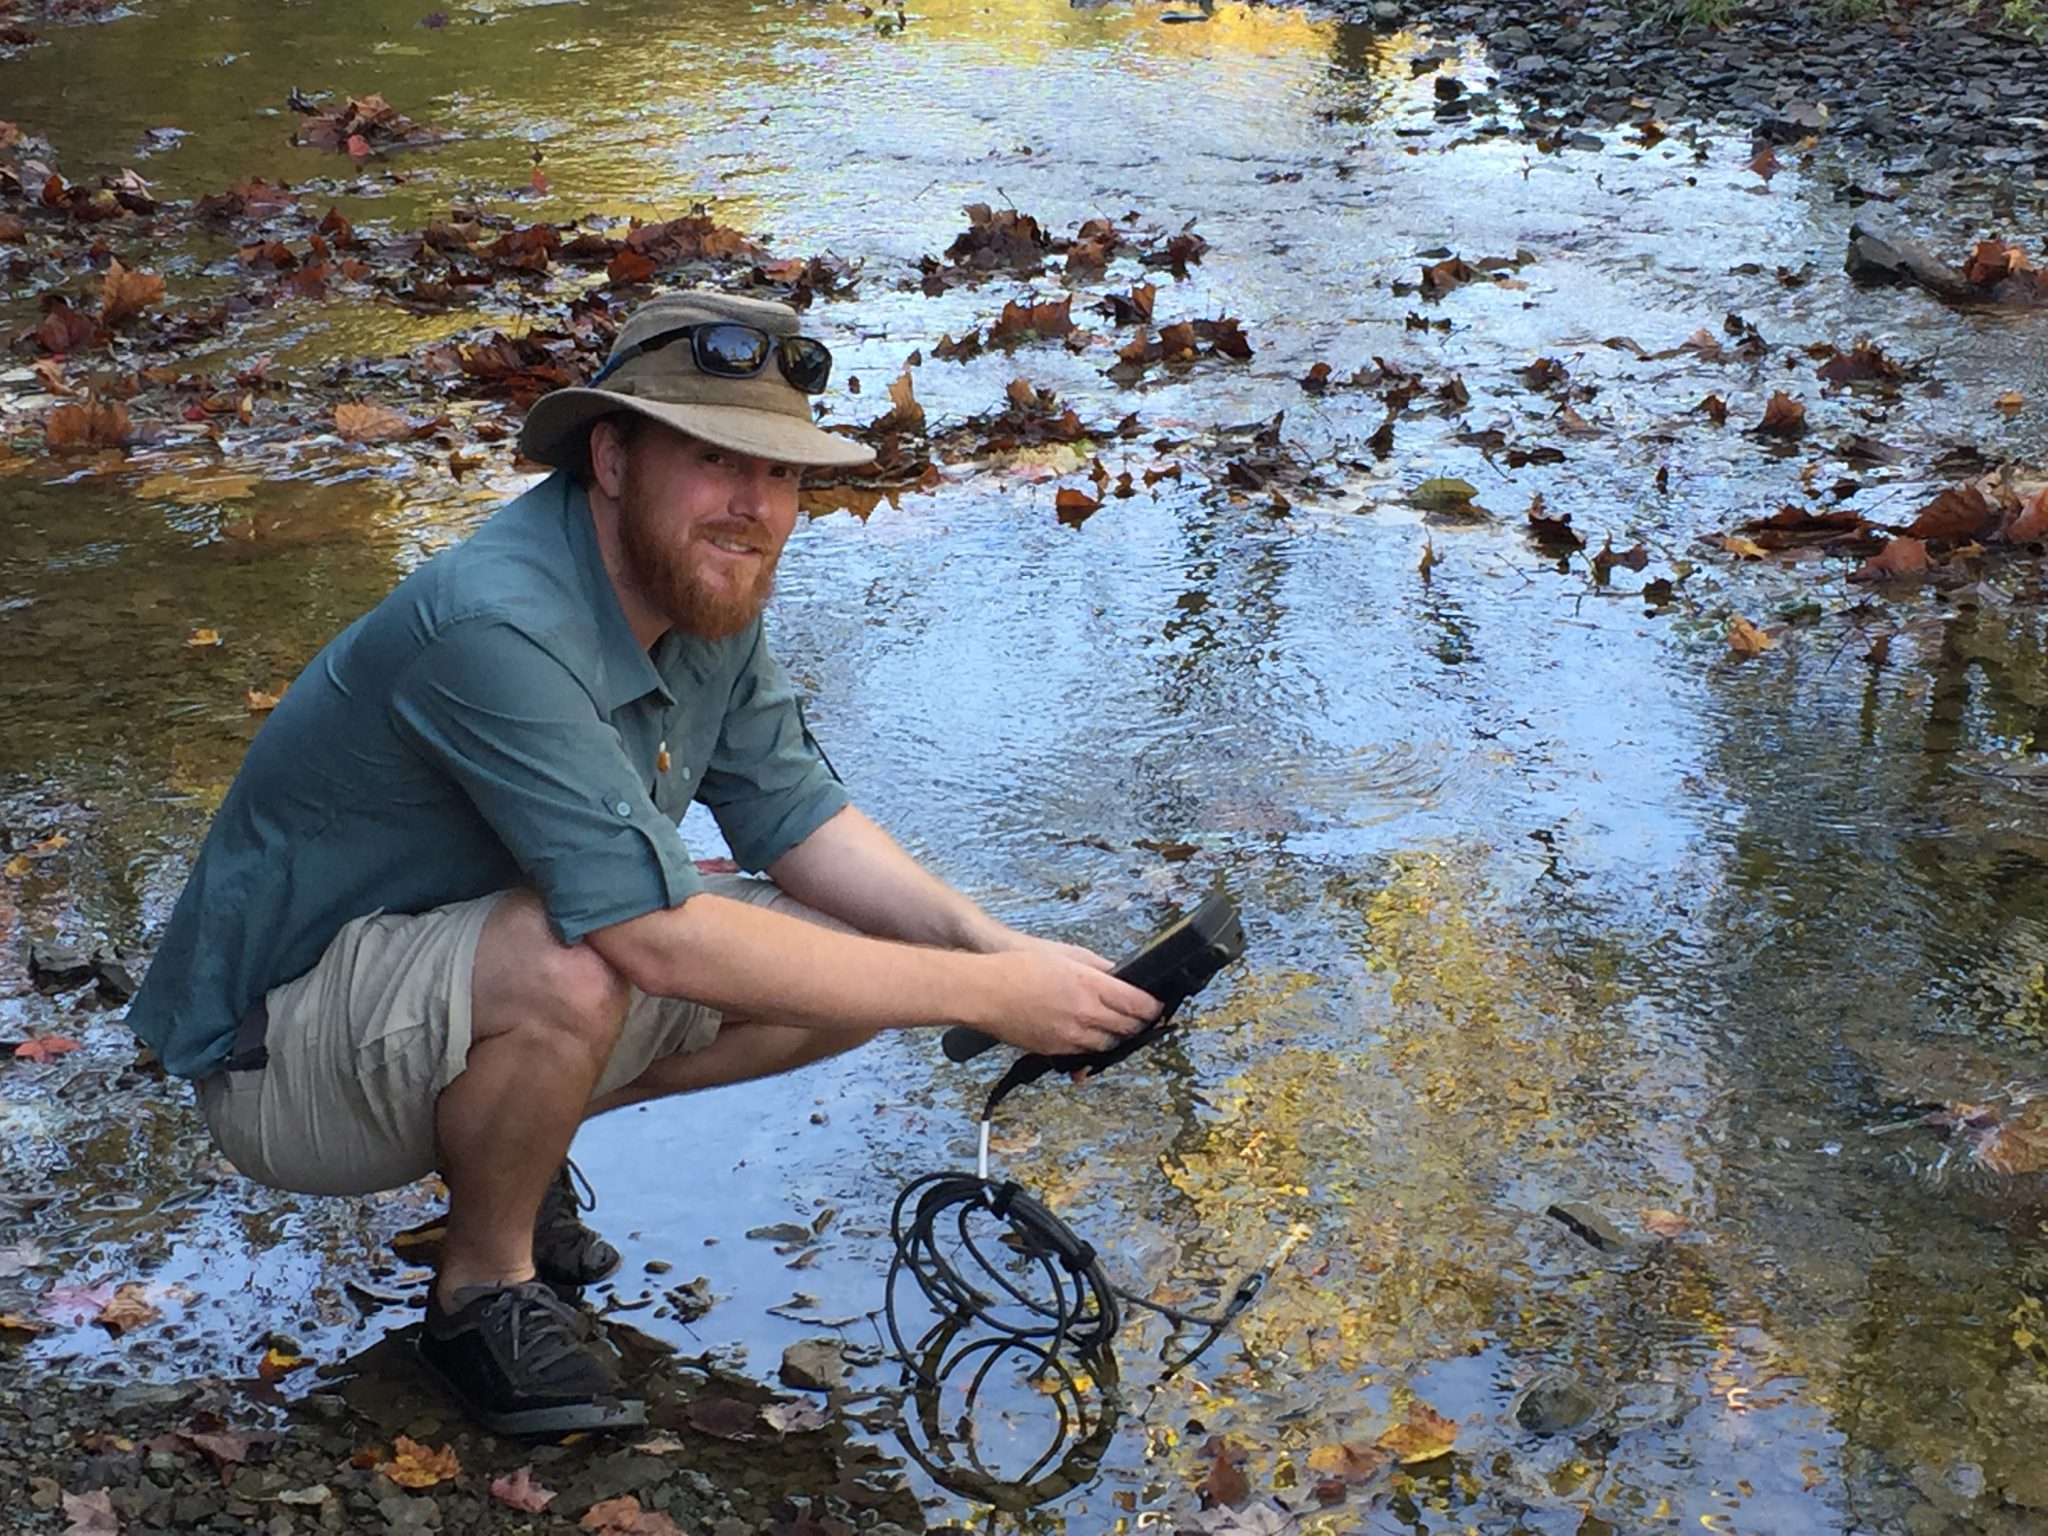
column 528, row 980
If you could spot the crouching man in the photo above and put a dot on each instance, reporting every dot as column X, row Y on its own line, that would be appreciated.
column 445, row 914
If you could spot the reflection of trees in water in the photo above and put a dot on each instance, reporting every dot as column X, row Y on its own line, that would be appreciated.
column 1881, row 946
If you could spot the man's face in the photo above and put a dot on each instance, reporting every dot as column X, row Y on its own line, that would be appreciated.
column 702, row 529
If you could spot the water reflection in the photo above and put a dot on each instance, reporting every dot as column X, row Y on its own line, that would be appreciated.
column 1550, row 905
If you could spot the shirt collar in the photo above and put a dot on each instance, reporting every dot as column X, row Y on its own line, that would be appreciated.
column 625, row 671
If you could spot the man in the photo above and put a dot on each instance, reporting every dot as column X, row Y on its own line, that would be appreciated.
column 445, row 914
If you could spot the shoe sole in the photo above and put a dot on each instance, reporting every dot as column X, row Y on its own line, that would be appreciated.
column 559, row 1418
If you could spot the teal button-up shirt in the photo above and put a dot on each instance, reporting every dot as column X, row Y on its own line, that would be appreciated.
column 492, row 723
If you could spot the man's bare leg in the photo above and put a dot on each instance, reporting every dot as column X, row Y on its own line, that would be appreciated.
column 742, row 1052
column 546, row 1017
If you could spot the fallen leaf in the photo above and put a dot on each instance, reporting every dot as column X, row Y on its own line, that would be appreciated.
column 1425, row 1436
column 1783, row 417
column 1861, row 364
column 1666, row 1223
column 126, row 294
column 518, row 1490
column 1429, row 561
column 202, row 637
column 91, row 1514
column 2012, row 400
column 1901, row 557
column 276, row 1364
column 1746, row 640
column 209, row 1435
column 1960, row 512
column 1748, row 549
column 1075, row 506
column 905, row 414
column 1354, row 1461
column 1765, row 163
column 95, row 424
column 1444, row 493
column 1225, row 1486
column 15, row 1323
column 413, row 1465
column 129, row 1307
column 44, row 1047
column 1714, row 408
column 362, row 422
column 623, row 1516
column 261, row 703
column 2030, row 523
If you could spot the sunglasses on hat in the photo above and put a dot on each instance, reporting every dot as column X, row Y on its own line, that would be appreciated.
column 728, row 350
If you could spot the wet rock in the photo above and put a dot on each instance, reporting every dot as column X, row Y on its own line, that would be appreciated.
column 116, row 974
column 144, row 1400
column 1556, row 1403
column 781, row 1232
column 52, row 965
column 1875, row 257
column 1589, row 1224
column 814, row 1365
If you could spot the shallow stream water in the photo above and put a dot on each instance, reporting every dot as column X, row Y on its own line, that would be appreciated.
column 1551, row 900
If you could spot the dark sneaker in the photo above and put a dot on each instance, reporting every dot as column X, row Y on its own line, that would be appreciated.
column 522, row 1362
column 566, row 1252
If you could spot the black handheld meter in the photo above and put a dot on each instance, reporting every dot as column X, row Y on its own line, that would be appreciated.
column 1173, row 965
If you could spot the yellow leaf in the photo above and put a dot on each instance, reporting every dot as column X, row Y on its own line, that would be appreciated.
column 259, row 702
column 203, row 637
column 1426, row 1436
column 413, row 1465
column 1746, row 640
column 15, row 867
column 2011, row 400
column 1748, row 549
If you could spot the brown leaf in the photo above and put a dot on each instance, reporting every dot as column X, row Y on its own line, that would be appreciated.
column 1960, row 512
column 362, row 422
column 1991, row 261
column 129, row 1308
column 209, row 1435
column 1425, row 1436
column 1353, row 1461
column 519, row 1491
column 905, row 413
column 1901, row 557
column 15, row 1323
column 1746, row 640
column 1765, row 163
column 95, row 424
column 260, row 702
column 2030, row 523
column 1225, row 1486
column 1032, row 322
column 629, row 267
column 1666, row 1223
column 1714, row 408
column 1783, row 417
column 623, row 1516
column 1440, row 278
column 1075, row 506
column 126, row 294
column 2012, row 402
column 1861, row 364
column 413, row 1465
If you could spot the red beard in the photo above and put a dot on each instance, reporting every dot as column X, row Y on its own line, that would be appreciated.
column 666, row 571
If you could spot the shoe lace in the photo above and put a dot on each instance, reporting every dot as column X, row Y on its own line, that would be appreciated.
column 580, row 1187
column 539, row 1329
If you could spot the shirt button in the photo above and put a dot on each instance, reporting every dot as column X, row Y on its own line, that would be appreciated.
column 623, row 808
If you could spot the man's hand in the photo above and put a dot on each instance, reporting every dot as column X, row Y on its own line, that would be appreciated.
column 1047, row 1000
column 1001, row 939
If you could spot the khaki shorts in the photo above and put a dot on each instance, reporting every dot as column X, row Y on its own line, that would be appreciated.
column 363, row 1043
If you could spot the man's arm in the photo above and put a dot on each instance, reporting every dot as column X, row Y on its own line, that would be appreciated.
column 851, row 869
column 759, row 964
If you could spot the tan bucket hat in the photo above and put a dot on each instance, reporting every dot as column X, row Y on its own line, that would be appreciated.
column 766, row 415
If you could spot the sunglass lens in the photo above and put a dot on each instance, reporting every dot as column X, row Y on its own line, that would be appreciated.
column 806, row 363
column 731, row 351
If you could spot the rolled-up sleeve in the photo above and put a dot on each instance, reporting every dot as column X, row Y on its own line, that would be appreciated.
column 522, row 736
column 767, row 783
